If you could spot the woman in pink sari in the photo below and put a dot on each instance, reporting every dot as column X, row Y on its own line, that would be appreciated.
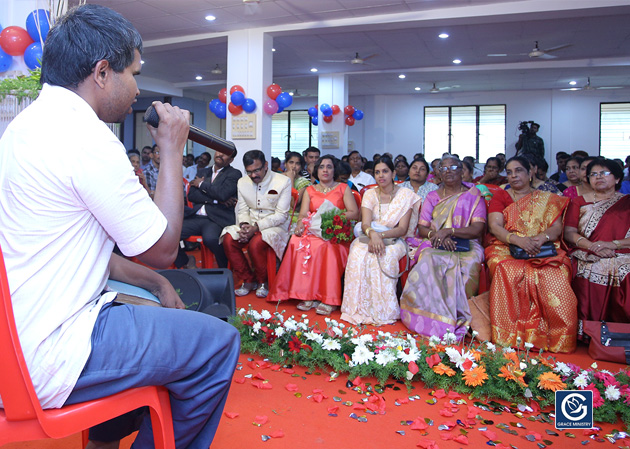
column 435, row 298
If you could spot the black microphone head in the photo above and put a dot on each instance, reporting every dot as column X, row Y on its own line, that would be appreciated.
column 151, row 117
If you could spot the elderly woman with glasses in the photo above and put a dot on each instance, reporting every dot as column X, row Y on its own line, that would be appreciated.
column 452, row 222
column 597, row 225
column 530, row 298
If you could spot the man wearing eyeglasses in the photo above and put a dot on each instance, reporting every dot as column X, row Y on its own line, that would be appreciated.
column 262, row 214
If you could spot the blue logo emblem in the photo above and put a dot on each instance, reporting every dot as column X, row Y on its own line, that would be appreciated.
column 574, row 409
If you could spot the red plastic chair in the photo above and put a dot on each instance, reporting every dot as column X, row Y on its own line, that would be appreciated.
column 357, row 198
column 23, row 418
column 366, row 188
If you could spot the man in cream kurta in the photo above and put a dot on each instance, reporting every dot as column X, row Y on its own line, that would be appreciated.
column 262, row 214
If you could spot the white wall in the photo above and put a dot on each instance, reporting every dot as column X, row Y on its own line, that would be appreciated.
column 569, row 119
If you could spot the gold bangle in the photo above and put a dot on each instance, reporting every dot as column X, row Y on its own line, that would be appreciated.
column 577, row 242
column 429, row 234
column 617, row 243
column 368, row 230
column 452, row 232
column 548, row 238
column 508, row 238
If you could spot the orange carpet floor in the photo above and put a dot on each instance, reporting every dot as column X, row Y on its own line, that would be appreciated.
column 302, row 409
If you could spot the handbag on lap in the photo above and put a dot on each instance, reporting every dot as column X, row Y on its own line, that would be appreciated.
column 548, row 249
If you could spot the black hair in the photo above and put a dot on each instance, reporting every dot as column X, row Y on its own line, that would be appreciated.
column 404, row 161
column 424, row 162
column 291, row 155
column 497, row 160
column 311, row 150
column 543, row 165
column 253, row 155
column 577, row 159
column 468, row 166
column 353, row 152
column 275, row 160
column 580, row 153
column 335, row 164
column 207, row 154
column 609, row 164
column 534, row 159
column 521, row 160
column 369, row 165
column 387, row 161
column 562, row 155
column 155, row 145
column 84, row 36
column 344, row 168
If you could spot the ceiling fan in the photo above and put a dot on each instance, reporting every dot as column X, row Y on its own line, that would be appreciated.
column 436, row 90
column 588, row 86
column 356, row 60
column 536, row 52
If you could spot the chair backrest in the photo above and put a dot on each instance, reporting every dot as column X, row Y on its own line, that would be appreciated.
column 186, row 190
column 357, row 198
column 366, row 188
column 16, row 388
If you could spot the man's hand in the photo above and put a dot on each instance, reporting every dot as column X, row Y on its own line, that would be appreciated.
column 230, row 202
column 168, row 297
column 197, row 181
column 247, row 232
column 172, row 133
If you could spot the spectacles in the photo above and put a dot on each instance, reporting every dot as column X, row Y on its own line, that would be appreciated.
column 253, row 172
column 599, row 174
column 449, row 167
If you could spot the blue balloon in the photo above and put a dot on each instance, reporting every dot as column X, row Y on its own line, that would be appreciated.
column 5, row 61
column 324, row 106
column 38, row 16
column 280, row 109
column 249, row 105
column 358, row 114
column 213, row 104
column 33, row 55
column 312, row 111
column 284, row 100
column 314, row 121
column 220, row 110
column 328, row 111
column 238, row 98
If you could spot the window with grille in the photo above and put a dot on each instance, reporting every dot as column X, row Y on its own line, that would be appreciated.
column 291, row 130
column 477, row 131
column 614, row 130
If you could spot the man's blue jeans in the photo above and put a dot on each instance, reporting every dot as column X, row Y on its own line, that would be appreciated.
column 192, row 354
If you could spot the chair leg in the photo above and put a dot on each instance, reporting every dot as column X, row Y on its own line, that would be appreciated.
column 162, row 422
column 85, row 437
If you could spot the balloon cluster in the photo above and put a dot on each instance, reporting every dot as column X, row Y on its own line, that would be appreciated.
column 17, row 41
column 238, row 102
column 278, row 100
column 328, row 112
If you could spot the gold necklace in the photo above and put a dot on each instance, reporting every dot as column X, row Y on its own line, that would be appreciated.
column 325, row 190
column 603, row 199
column 391, row 197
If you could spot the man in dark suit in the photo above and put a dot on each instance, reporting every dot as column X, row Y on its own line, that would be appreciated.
column 213, row 195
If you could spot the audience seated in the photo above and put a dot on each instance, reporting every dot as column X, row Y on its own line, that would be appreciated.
column 213, row 196
column 597, row 225
column 202, row 162
column 312, row 268
column 262, row 216
column 402, row 170
column 491, row 173
column 582, row 187
column 417, row 182
column 434, row 176
column 145, row 157
column 541, row 174
column 536, row 182
column 530, row 299
column 344, row 174
column 311, row 155
column 435, row 298
column 359, row 178
column 387, row 212
column 152, row 169
column 561, row 161
column 134, row 158
column 293, row 165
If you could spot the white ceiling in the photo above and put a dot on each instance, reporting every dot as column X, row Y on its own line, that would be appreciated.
column 180, row 44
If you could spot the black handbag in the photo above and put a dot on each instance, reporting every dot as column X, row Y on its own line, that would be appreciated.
column 548, row 249
column 461, row 245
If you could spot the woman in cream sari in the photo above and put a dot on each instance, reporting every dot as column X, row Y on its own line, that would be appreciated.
column 435, row 298
column 388, row 211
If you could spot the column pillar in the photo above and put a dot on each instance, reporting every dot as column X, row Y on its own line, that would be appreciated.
column 250, row 65
column 333, row 136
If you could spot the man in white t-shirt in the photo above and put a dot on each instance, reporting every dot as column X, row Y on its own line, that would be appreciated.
column 359, row 178
column 57, row 237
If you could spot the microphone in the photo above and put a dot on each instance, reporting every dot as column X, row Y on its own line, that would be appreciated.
column 195, row 134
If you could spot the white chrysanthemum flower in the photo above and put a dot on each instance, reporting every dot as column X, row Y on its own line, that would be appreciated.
column 413, row 355
column 241, row 311
column 533, row 362
column 304, row 316
column 302, row 326
column 256, row 327
column 362, row 355
column 434, row 340
column 314, row 336
column 563, row 369
column 265, row 315
column 528, row 345
column 279, row 331
column 338, row 332
column 331, row 345
column 506, row 350
column 523, row 365
column 612, row 393
column 327, row 320
column 460, row 358
column 254, row 314
column 582, row 380
column 605, row 371
column 339, row 325
column 475, row 333
column 290, row 325
column 362, row 339
column 385, row 357
column 449, row 338
column 279, row 316
column 491, row 347
column 306, row 321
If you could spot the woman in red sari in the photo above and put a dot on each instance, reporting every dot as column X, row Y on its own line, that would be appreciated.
column 529, row 298
column 597, row 225
column 312, row 268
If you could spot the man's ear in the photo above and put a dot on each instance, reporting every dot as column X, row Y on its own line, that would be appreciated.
column 101, row 73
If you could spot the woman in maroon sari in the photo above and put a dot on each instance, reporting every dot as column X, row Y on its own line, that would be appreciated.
column 597, row 224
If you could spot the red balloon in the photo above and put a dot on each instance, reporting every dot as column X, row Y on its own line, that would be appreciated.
column 336, row 109
column 273, row 91
column 223, row 95
column 349, row 110
column 235, row 110
column 236, row 88
column 14, row 40
column 349, row 120
column 328, row 118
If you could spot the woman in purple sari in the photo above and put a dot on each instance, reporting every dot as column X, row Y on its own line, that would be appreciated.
column 435, row 298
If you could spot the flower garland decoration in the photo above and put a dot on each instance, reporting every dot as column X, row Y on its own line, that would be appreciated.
column 478, row 369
